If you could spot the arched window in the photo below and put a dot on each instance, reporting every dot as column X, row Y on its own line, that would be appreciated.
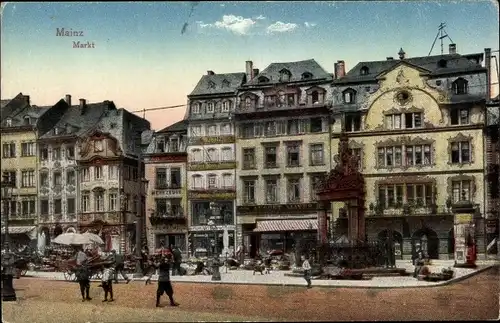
column 196, row 155
column 195, row 108
column 364, row 70
column 460, row 86
column 285, row 75
column 197, row 181
column 349, row 96
column 315, row 97
column 442, row 63
column 263, row 79
column 212, row 155
column 307, row 76
column 210, row 107
column 248, row 102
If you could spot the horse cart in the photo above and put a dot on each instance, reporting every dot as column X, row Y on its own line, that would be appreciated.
column 95, row 266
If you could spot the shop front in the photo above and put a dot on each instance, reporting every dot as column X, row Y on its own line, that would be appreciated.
column 205, row 242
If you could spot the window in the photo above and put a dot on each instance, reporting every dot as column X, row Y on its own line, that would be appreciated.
column 459, row 116
column 364, row 70
column 270, row 157
column 9, row 150
column 57, row 206
column 27, row 149
column 349, row 96
column 196, row 131
column 70, row 177
column 397, row 195
column 316, row 125
column 248, row 103
column 357, row 153
column 8, row 122
column 285, row 75
column 212, row 155
column 85, row 201
column 212, row 130
column 418, row 155
column 227, row 181
column 271, row 190
column 393, row 121
column 99, row 201
column 306, row 76
column 352, row 123
column 44, row 207
column 414, row 155
column 210, row 107
column 71, row 205
column 44, row 179
column 315, row 97
column 226, row 106
column 293, row 155
column 195, row 108
column 281, row 99
column 293, row 190
column 413, row 120
column 173, row 145
column 161, row 178
column 225, row 129
column 460, row 152
column 85, row 174
column 56, row 153
column 98, row 173
column 270, row 101
column 227, row 154
column 160, row 145
column 162, row 207
column 316, row 155
column 247, row 130
column 212, row 181
column 249, row 191
column 462, row 190
column 28, row 208
column 248, row 158
column 263, row 79
column 44, row 152
column 70, row 152
column 113, row 202
column 460, row 86
column 270, row 128
column 57, row 179
column 315, row 180
column 113, row 172
column 293, row 127
column 28, row 178
column 290, row 100
column 134, row 204
column 196, row 155
column 197, row 182
column 175, row 177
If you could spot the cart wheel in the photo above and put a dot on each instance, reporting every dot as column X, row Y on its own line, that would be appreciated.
column 69, row 276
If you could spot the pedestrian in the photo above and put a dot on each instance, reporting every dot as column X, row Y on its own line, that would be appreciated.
column 307, row 270
column 150, row 269
column 177, row 255
column 164, row 284
column 107, row 283
column 119, row 264
column 82, row 274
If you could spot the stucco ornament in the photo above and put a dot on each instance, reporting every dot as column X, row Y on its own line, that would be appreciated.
column 401, row 78
column 403, row 97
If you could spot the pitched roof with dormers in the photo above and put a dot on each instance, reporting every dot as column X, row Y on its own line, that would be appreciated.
column 218, row 84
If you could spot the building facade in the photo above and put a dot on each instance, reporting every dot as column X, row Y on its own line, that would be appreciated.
column 166, row 205
column 21, row 125
column 283, row 148
column 110, row 182
column 416, row 124
column 58, row 180
column 212, row 162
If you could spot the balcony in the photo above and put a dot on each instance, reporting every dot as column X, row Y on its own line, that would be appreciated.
column 168, row 217
column 213, row 165
column 212, row 140
column 165, row 190
column 378, row 211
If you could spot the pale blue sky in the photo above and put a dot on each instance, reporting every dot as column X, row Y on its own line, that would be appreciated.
column 141, row 60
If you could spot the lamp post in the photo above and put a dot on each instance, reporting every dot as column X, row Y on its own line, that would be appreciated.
column 215, row 210
column 8, row 292
column 138, row 225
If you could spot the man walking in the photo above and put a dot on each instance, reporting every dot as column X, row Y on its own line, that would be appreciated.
column 119, row 264
column 306, row 266
column 82, row 274
column 177, row 261
column 164, row 284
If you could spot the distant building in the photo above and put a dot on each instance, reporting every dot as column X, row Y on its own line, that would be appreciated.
column 212, row 161
column 166, row 205
column 283, row 148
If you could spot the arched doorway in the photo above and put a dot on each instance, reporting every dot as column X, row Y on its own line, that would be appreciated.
column 397, row 239
column 428, row 240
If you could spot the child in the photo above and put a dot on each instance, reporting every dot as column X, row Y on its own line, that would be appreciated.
column 107, row 282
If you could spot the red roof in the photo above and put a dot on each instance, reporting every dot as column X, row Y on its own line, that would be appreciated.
column 286, row 225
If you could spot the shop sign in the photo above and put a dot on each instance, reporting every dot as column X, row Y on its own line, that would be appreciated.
column 212, row 140
column 167, row 192
column 463, row 218
column 211, row 166
column 273, row 208
column 172, row 158
column 212, row 195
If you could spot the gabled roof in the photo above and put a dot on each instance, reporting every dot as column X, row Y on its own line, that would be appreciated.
column 176, row 127
column 77, row 122
column 296, row 69
column 219, row 84
column 19, row 102
column 18, row 116
column 455, row 63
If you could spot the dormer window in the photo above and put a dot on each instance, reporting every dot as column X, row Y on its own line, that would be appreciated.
column 315, row 97
column 8, row 122
column 281, row 99
column 211, row 85
column 27, row 121
column 160, row 145
column 460, row 86
column 226, row 106
column 307, row 76
column 285, row 75
column 56, row 131
column 195, row 108
column 364, row 70
column 248, row 102
column 210, row 107
column 263, row 79
column 98, row 146
column 442, row 63
column 349, row 96
column 174, row 145
column 225, row 83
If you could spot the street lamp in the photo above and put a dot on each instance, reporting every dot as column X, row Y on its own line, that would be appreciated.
column 215, row 210
column 138, row 226
column 8, row 270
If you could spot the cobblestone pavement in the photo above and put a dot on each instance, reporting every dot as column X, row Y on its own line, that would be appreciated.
column 475, row 298
column 279, row 278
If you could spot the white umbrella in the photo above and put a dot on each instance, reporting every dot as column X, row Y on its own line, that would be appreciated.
column 72, row 239
column 93, row 237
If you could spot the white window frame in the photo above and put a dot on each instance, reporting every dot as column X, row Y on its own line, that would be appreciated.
column 249, row 191
column 113, row 202
column 460, row 152
column 227, row 181
column 292, row 183
column 316, row 160
column 226, row 154
column 212, row 130
column 272, row 190
column 212, row 181
column 28, row 149
column 210, row 107
column 28, row 178
column 86, row 201
column 458, row 187
column 195, row 108
column 98, row 172
column 68, row 172
column 197, row 181
column 99, row 201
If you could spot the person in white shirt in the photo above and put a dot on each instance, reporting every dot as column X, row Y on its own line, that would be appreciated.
column 306, row 266
column 107, row 282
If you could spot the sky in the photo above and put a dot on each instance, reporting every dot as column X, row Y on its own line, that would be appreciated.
column 141, row 59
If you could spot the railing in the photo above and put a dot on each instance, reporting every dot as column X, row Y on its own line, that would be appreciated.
column 166, row 186
column 409, row 211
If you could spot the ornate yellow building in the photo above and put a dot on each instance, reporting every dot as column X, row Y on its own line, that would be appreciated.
column 417, row 126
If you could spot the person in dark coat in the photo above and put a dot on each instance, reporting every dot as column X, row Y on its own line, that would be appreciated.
column 176, row 270
column 119, row 264
column 164, row 284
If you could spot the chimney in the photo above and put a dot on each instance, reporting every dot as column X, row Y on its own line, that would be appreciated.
column 487, row 64
column 210, row 73
column 68, row 99
column 255, row 72
column 339, row 69
column 27, row 98
column 82, row 103
column 389, row 58
column 249, row 70
column 452, row 49
column 401, row 53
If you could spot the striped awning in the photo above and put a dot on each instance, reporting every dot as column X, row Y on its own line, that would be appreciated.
column 19, row 230
column 286, row 225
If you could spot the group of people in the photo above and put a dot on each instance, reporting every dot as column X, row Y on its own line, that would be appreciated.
column 170, row 260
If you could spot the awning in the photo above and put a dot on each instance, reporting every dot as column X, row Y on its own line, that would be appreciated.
column 19, row 230
column 286, row 225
